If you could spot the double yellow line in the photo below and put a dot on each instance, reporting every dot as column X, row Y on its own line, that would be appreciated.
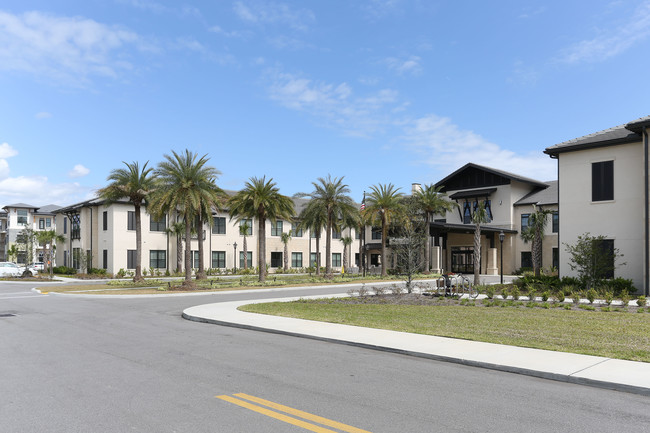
column 289, row 410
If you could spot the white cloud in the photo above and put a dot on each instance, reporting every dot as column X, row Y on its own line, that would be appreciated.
column 38, row 190
column 265, row 12
column 445, row 145
column 613, row 41
column 6, row 151
column 69, row 49
column 410, row 65
column 78, row 171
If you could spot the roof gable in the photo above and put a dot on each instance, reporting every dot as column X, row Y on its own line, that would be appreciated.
column 471, row 176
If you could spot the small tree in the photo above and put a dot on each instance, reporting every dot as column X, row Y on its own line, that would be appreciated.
column 177, row 229
column 244, row 227
column 347, row 241
column 25, row 243
column 12, row 253
column 594, row 258
column 286, row 237
column 479, row 217
column 48, row 238
column 534, row 233
column 409, row 240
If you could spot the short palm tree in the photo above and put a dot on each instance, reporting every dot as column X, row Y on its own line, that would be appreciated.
column 383, row 205
column 244, row 228
column 313, row 218
column 186, row 184
column 285, row 237
column 48, row 238
column 535, row 233
column 432, row 202
column 330, row 196
column 177, row 229
column 136, row 185
column 261, row 199
column 347, row 241
column 479, row 217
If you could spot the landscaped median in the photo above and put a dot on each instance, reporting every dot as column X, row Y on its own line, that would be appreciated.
column 622, row 333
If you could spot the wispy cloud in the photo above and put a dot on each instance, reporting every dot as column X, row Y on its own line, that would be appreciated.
column 69, row 49
column 611, row 42
column 78, row 171
column 266, row 12
column 445, row 145
column 376, row 9
column 410, row 65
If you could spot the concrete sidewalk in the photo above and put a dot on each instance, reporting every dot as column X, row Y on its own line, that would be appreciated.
column 620, row 375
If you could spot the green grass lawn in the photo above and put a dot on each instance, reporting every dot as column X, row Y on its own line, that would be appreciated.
column 623, row 335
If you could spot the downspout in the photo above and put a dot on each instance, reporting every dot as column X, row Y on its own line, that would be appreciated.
column 91, row 239
column 646, row 211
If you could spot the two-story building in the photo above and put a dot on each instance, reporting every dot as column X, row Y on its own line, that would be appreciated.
column 604, row 191
column 21, row 216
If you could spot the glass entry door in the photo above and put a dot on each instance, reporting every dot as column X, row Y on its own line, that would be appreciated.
column 462, row 260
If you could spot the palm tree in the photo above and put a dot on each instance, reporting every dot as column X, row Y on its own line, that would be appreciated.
column 347, row 241
column 261, row 199
column 177, row 229
column 431, row 201
column 313, row 218
column 49, row 237
column 136, row 185
column 187, row 185
column 479, row 217
column 383, row 205
column 331, row 197
column 535, row 233
column 243, row 230
column 286, row 237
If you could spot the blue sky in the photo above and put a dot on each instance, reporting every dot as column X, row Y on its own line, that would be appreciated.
column 377, row 91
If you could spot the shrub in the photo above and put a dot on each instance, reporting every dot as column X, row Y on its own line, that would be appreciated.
column 545, row 295
column 567, row 306
column 569, row 281
column 609, row 297
column 625, row 298
column 531, row 293
column 64, row 270
column 490, row 291
column 379, row 291
column 515, row 293
column 576, row 297
column 96, row 271
column 591, row 295
column 560, row 296
column 641, row 301
column 619, row 285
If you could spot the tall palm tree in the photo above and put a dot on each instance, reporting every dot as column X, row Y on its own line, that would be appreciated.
column 383, row 205
column 535, row 233
column 347, row 241
column 479, row 217
column 285, row 237
column 313, row 218
column 187, row 185
column 136, row 185
column 177, row 228
column 49, row 237
column 244, row 227
column 331, row 197
column 261, row 199
column 432, row 202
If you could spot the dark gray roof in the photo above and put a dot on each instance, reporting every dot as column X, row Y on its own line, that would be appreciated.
column 541, row 197
column 505, row 174
column 621, row 134
column 48, row 209
column 21, row 205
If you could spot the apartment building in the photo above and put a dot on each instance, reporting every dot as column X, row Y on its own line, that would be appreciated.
column 19, row 216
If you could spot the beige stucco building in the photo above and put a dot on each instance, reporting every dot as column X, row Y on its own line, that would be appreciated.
column 603, row 190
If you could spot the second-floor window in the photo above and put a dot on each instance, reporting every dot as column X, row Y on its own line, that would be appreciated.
column 105, row 220
column 602, row 181
column 376, row 234
column 556, row 222
column 130, row 222
column 336, row 234
column 524, row 221
column 249, row 223
column 219, row 227
column 296, row 232
column 41, row 224
column 158, row 225
column 22, row 217
column 276, row 229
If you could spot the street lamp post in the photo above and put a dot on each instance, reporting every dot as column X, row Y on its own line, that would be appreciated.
column 235, row 256
column 501, row 238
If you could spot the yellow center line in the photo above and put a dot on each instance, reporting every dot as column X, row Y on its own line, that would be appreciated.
column 275, row 415
column 301, row 414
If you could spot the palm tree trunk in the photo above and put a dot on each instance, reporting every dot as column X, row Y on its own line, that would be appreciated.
column 427, row 248
column 477, row 253
column 328, row 248
column 345, row 256
column 188, row 250
column 286, row 257
column 261, row 246
column 537, row 253
column 200, row 275
column 318, row 253
column 138, row 245
column 179, row 252
column 384, row 232
column 245, row 254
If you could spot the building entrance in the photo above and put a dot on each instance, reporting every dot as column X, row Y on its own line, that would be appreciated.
column 462, row 260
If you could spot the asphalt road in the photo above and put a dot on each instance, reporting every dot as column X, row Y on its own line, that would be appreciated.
column 72, row 364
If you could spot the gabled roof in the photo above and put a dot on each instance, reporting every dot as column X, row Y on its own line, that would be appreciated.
column 48, row 209
column 504, row 174
column 621, row 134
column 541, row 197
column 21, row 206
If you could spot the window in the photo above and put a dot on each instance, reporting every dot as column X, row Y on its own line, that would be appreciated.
column 194, row 259
column 376, row 234
column 48, row 222
column 556, row 222
column 467, row 213
column 76, row 258
column 526, row 259
column 336, row 234
column 65, row 225
column 218, row 226
column 248, row 223
column 357, row 234
column 336, row 260
column 130, row 259
column 356, row 259
column 104, row 259
column 488, row 209
column 22, row 217
column 276, row 259
column 41, row 223
column 296, row 232
column 158, row 225
column 219, row 258
column 158, row 259
column 130, row 220
column 276, row 228
column 105, row 220
column 313, row 259
column 75, row 226
column 249, row 258
column 296, row 260
column 524, row 221
column 602, row 181
column 556, row 258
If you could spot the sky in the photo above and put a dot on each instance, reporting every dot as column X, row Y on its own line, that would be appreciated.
column 375, row 91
